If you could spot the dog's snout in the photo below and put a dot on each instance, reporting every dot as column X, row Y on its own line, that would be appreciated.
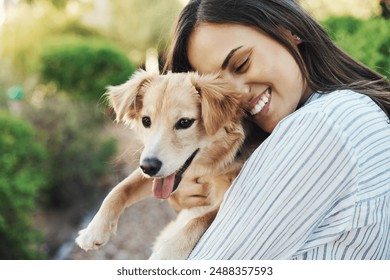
column 151, row 166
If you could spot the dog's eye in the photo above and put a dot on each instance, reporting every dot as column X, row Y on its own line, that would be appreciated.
column 146, row 122
column 184, row 123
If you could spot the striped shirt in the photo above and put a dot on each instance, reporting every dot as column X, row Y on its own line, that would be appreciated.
column 317, row 188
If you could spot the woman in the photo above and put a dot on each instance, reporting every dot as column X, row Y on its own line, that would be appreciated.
column 319, row 186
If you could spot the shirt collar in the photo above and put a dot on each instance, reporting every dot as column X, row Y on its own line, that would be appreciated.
column 315, row 95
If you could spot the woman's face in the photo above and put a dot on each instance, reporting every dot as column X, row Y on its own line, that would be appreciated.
column 257, row 65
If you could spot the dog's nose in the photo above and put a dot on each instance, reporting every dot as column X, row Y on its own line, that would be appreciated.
column 151, row 166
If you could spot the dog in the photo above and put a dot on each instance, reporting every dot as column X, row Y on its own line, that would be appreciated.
column 190, row 125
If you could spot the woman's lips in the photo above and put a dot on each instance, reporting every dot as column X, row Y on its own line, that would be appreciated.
column 260, row 102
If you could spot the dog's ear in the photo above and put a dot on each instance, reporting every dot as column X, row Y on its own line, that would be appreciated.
column 220, row 101
column 126, row 99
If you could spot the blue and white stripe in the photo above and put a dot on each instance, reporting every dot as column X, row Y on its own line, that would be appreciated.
column 317, row 188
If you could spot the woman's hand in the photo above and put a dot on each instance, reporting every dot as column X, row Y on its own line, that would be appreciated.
column 190, row 193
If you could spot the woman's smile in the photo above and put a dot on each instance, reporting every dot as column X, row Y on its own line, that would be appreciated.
column 254, row 61
column 260, row 104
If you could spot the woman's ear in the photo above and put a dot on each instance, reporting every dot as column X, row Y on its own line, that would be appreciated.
column 126, row 99
column 295, row 38
column 220, row 102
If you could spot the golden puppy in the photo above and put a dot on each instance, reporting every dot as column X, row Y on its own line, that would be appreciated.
column 190, row 125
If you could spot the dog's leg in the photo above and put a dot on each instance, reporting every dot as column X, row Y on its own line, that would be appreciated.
column 131, row 190
column 180, row 245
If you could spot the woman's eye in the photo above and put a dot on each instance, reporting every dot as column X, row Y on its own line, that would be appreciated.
column 146, row 122
column 184, row 123
column 243, row 66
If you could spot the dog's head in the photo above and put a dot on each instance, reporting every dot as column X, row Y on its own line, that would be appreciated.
column 176, row 115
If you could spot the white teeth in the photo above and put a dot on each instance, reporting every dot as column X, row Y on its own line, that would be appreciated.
column 262, row 102
column 259, row 106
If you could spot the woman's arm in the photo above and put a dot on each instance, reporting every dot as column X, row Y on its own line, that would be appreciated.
column 284, row 192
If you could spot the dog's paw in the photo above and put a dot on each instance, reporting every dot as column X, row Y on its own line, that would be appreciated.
column 95, row 236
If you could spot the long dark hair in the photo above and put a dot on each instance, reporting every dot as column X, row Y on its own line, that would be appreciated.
column 324, row 66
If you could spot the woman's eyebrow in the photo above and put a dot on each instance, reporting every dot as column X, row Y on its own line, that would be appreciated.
column 228, row 57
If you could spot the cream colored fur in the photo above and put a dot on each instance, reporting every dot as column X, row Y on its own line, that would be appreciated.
column 217, row 132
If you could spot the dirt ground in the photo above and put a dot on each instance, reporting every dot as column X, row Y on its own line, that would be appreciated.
column 139, row 224
column 137, row 230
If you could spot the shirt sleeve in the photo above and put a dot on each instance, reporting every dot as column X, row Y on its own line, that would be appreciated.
column 285, row 190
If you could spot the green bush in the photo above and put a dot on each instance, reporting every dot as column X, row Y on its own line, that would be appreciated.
column 79, row 153
column 366, row 40
column 340, row 27
column 83, row 67
column 22, row 177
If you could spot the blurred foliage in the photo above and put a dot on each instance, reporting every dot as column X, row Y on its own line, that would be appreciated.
column 27, row 26
column 322, row 9
column 3, row 94
column 366, row 40
column 84, row 67
column 138, row 25
column 60, row 4
column 79, row 154
column 23, row 175
column 134, row 26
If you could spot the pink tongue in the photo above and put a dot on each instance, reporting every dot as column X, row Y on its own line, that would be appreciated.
column 163, row 187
